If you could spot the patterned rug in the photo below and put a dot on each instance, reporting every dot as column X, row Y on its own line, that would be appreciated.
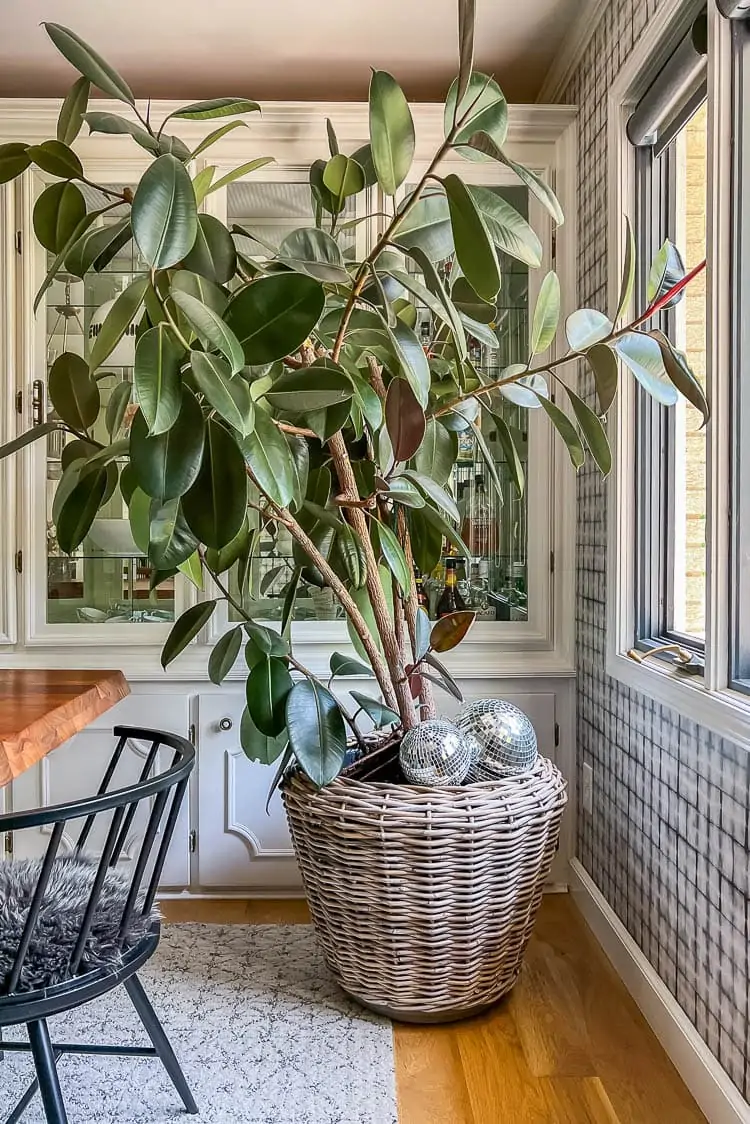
column 263, row 1034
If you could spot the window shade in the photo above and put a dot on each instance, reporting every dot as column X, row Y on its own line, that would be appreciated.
column 675, row 93
column 734, row 9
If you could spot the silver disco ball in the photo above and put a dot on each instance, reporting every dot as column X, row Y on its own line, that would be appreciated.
column 505, row 735
column 435, row 752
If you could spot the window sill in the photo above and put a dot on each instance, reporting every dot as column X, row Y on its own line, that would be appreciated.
column 725, row 712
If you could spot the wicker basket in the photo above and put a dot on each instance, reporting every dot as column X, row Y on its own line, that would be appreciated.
column 424, row 899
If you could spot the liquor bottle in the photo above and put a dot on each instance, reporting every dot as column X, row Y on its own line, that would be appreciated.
column 482, row 531
column 421, row 595
column 451, row 600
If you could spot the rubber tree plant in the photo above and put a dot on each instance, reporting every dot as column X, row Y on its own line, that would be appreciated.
column 292, row 386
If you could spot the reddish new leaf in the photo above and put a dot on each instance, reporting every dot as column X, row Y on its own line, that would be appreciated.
column 450, row 631
column 404, row 420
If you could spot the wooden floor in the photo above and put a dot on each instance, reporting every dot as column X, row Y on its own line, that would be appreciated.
column 568, row 1046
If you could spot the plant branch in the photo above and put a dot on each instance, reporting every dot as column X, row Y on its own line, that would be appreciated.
column 426, row 695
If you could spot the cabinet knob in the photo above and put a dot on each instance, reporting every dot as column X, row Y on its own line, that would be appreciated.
column 225, row 724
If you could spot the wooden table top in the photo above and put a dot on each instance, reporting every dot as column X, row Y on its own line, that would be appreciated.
column 40, row 710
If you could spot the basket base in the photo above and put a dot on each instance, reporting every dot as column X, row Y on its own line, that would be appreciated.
column 429, row 1018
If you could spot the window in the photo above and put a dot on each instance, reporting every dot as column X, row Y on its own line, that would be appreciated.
column 671, row 165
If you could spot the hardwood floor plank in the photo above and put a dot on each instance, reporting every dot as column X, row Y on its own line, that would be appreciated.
column 568, row 1046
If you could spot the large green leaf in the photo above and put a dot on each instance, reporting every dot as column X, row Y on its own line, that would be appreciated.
column 215, row 107
column 156, row 377
column 259, row 747
column 394, row 556
column 488, row 112
column 546, row 314
column 412, row 359
column 267, row 454
column 586, row 327
column 79, row 510
column 14, row 160
column 524, row 391
column 324, row 383
column 56, row 158
column 300, row 454
column 466, row 17
column 642, row 355
column 97, row 247
column 566, row 429
column 185, row 629
column 603, row 363
column 166, row 466
column 201, row 288
column 666, row 270
column 434, row 491
column 213, row 254
column 224, row 655
column 678, row 370
column 315, row 253
column 228, row 394
column 272, row 317
column 89, row 63
column 117, row 404
column 102, row 121
column 437, row 521
column 317, row 734
column 214, row 136
column 345, row 665
column 437, row 454
column 375, row 709
column 362, row 601
column 510, row 451
column 164, row 214
column 117, row 321
column 72, row 391
column 57, row 213
column 474, row 249
column 470, row 304
column 216, row 504
column 427, row 227
column 481, row 142
column 343, row 177
column 238, row 173
column 70, row 120
column 426, row 541
column 219, row 561
column 211, row 329
column 391, row 131
column 268, row 685
column 170, row 539
column 594, row 433
column 509, row 231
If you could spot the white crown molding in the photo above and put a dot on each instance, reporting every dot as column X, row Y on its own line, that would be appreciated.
column 570, row 52
column 710, row 1084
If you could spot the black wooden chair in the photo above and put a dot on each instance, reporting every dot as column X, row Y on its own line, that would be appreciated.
column 73, row 927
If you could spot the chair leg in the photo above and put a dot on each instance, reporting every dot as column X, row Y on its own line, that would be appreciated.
column 46, row 1071
column 155, row 1031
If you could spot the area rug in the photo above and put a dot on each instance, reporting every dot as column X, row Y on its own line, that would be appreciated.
column 263, row 1034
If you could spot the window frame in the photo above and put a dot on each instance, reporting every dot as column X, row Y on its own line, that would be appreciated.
column 655, row 198
column 711, row 700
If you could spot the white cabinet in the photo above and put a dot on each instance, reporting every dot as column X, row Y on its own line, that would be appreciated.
column 240, row 843
column 74, row 770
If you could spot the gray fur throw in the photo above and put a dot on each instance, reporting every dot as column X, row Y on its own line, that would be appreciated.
column 59, row 922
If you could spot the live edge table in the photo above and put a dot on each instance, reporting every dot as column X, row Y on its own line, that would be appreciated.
column 39, row 710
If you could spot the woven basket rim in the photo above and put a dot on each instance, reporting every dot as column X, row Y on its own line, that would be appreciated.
column 339, row 783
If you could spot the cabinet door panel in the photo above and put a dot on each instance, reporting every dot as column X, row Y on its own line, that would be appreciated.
column 74, row 770
column 239, row 843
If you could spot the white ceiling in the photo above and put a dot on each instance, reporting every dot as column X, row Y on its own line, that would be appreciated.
column 281, row 50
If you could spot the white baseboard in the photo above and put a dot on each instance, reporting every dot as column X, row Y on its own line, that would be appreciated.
column 716, row 1094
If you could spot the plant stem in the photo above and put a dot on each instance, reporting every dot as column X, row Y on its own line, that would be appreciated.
column 426, row 695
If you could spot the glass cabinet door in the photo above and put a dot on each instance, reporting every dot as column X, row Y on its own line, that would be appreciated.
column 107, row 581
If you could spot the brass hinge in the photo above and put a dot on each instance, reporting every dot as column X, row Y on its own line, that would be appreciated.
column 19, row 562
column 552, row 561
column 557, row 733
column 19, row 241
column 193, row 841
column 8, row 843
column 191, row 733
column 19, row 401
column 554, row 246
